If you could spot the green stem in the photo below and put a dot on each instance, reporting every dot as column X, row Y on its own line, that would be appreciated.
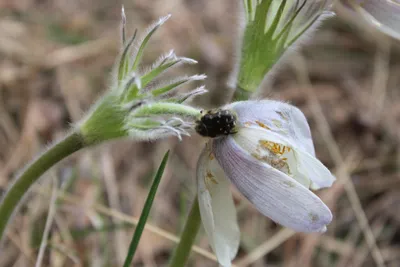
column 32, row 173
column 181, row 253
column 241, row 94
column 167, row 108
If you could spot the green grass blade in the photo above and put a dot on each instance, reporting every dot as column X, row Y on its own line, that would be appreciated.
column 145, row 212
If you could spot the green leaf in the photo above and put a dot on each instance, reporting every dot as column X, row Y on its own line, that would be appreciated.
column 145, row 212
column 166, row 88
column 163, row 108
column 151, row 75
column 248, row 5
column 277, row 19
column 132, row 91
column 123, row 67
column 271, row 27
column 145, row 41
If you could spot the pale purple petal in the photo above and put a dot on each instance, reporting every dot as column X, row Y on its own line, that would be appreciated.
column 253, row 139
column 274, row 194
column 217, row 209
column 386, row 15
column 314, row 170
column 380, row 14
column 276, row 116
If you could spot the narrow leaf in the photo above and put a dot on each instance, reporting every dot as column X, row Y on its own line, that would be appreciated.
column 289, row 23
column 277, row 19
column 152, row 74
column 146, row 39
column 261, row 13
column 145, row 79
column 184, row 97
column 123, row 25
column 167, row 88
column 124, row 62
column 145, row 212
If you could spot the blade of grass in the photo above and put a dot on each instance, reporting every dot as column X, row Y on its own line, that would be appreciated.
column 49, row 221
column 97, row 208
column 145, row 212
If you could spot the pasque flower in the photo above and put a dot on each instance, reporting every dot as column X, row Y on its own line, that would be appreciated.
column 265, row 149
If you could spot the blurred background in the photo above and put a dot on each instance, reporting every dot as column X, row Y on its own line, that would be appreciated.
column 55, row 61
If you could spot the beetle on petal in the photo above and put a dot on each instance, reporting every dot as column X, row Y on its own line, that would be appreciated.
column 267, row 152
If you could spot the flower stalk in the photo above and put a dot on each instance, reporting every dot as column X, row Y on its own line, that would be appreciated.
column 70, row 144
column 192, row 226
column 137, row 105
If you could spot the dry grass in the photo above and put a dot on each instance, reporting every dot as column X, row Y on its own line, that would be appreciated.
column 55, row 57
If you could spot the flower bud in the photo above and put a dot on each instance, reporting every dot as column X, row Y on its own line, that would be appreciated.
column 271, row 27
column 138, row 104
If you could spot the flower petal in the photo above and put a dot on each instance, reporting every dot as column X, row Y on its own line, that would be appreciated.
column 380, row 14
column 255, row 141
column 217, row 209
column 278, row 117
column 314, row 170
column 298, row 164
column 274, row 194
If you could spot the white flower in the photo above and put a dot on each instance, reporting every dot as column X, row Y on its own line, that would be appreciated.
column 383, row 15
column 265, row 149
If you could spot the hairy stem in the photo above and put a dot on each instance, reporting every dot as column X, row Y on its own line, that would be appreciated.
column 73, row 142
column 182, row 252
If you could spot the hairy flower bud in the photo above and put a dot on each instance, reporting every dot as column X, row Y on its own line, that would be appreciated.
column 271, row 27
column 138, row 104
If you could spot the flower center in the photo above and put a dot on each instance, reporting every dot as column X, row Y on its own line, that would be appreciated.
column 215, row 123
column 274, row 154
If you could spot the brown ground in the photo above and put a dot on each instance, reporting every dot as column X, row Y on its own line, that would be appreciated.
column 55, row 57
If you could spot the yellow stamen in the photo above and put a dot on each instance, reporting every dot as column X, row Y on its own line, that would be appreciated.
column 275, row 148
column 263, row 125
column 208, row 179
